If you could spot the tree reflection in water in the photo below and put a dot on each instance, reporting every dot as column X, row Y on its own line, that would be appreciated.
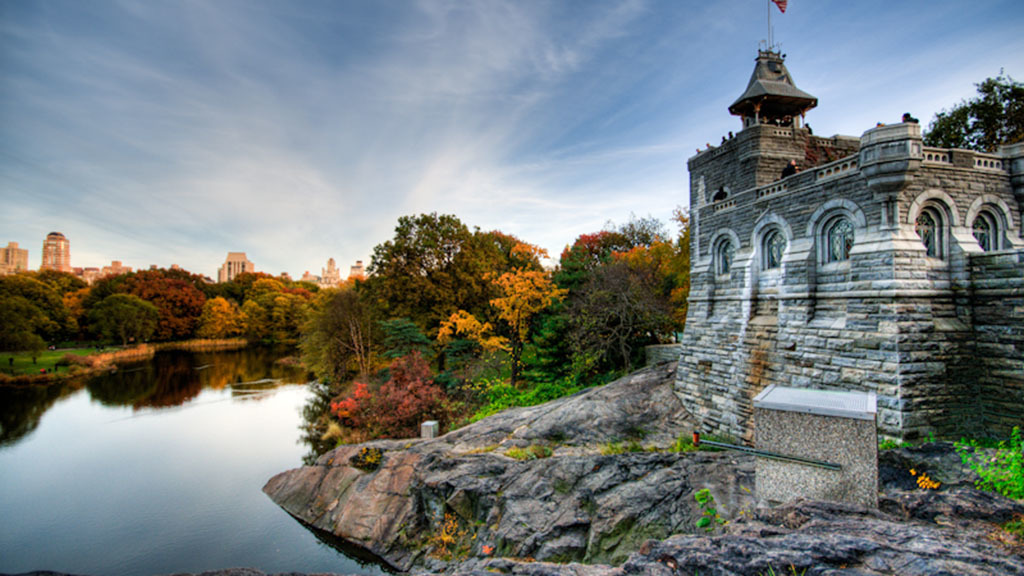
column 171, row 378
column 313, row 422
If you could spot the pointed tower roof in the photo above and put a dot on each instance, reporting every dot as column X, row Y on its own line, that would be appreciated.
column 771, row 92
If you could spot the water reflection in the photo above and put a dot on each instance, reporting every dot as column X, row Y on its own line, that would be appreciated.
column 171, row 378
column 313, row 422
column 22, row 407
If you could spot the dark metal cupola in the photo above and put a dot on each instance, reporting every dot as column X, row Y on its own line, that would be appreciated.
column 771, row 96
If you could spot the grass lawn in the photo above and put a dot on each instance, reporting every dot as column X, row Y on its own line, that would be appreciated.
column 46, row 359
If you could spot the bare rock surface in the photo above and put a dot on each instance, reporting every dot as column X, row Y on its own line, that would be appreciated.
column 577, row 505
column 583, row 513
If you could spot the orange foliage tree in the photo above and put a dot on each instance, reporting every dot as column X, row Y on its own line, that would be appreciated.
column 179, row 302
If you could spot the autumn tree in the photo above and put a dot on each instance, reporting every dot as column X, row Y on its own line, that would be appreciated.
column 524, row 293
column 635, row 260
column 125, row 317
column 397, row 407
column 989, row 120
column 178, row 301
column 338, row 337
column 220, row 318
column 465, row 340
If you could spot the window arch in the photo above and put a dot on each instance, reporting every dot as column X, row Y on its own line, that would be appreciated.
column 930, row 226
column 986, row 231
column 724, row 254
column 838, row 239
column 772, row 248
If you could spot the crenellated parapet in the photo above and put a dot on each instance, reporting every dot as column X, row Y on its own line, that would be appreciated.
column 882, row 266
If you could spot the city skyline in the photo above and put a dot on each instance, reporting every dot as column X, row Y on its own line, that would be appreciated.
column 179, row 132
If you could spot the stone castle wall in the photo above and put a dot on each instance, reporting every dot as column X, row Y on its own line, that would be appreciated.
column 890, row 318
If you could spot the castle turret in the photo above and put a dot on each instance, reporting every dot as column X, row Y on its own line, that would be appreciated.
column 771, row 96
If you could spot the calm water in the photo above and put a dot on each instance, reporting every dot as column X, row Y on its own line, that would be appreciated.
column 158, row 469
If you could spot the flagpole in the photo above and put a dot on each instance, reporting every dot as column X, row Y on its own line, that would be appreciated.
column 768, row 10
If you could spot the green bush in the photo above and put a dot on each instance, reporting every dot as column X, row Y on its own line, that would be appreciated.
column 532, row 452
column 501, row 395
column 1001, row 470
column 709, row 517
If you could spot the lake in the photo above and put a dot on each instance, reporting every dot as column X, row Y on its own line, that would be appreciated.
column 158, row 468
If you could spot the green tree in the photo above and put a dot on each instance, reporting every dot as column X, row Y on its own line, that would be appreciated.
column 613, row 316
column 255, row 321
column 989, row 120
column 401, row 337
column 125, row 317
column 50, row 320
column 61, row 282
column 414, row 274
column 22, row 323
column 275, row 311
column 338, row 336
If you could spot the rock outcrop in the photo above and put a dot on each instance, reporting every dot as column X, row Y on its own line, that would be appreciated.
column 460, row 504
column 576, row 505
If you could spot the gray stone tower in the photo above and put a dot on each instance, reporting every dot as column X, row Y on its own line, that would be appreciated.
column 881, row 266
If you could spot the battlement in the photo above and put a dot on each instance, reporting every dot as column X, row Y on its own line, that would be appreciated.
column 882, row 266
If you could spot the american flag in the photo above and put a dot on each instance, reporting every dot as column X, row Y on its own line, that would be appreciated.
column 781, row 4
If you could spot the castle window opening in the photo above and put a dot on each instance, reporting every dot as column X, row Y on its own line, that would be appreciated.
column 929, row 227
column 838, row 240
column 723, row 256
column 774, row 247
column 985, row 230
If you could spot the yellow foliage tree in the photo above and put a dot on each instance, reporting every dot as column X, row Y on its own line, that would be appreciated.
column 220, row 319
column 525, row 292
column 464, row 325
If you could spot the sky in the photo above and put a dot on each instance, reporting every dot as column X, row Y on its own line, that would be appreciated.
column 173, row 132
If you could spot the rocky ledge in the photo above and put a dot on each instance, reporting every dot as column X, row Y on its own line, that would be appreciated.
column 460, row 504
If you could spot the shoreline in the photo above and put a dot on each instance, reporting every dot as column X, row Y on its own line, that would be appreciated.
column 85, row 366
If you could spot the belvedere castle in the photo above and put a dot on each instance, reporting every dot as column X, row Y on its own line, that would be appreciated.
column 882, row 265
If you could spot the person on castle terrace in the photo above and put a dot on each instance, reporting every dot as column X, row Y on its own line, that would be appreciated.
column 908, row 119
column 790, row 169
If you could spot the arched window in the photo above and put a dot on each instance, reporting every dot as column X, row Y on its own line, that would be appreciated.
column 986, row 231
column 929, row 226
column 838, row 239
column 724, row 253
column 722, row 194
column 773, row 247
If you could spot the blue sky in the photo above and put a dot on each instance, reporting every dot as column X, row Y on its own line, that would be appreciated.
column 176, row 131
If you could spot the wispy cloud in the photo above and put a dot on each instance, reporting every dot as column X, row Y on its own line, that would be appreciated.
column 175, row 132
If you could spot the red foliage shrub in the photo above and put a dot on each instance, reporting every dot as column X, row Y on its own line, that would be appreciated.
column 398, row 406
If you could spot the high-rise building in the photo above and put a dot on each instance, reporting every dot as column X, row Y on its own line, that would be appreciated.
column 56, row 253
column 357, row 272
column 330, row 276
column 235, row 264
column 13, row 259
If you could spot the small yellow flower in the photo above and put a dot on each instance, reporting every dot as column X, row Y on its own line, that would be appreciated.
column 913, row 472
